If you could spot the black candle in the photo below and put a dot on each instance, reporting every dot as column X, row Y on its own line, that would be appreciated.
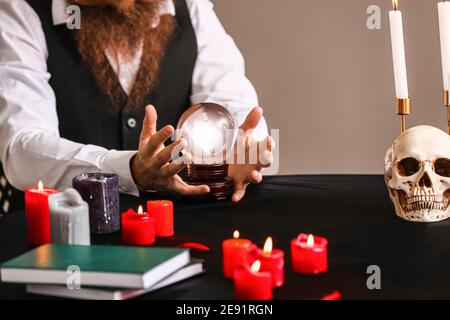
column 101, row 192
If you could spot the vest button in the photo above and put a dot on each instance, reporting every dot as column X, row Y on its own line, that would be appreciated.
column 131, row 123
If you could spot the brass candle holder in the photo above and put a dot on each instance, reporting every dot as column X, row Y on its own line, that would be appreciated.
column 447, row 105
column 403, row 109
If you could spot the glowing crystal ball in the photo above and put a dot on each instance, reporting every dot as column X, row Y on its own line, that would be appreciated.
column 210, row 131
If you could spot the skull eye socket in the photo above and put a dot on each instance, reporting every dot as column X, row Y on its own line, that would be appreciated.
column 442, row 167
column 408, row 166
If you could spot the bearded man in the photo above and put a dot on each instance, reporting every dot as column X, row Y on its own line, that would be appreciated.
column 84, row 100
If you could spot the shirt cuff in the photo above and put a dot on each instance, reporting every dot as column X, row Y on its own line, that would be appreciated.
column 118, row 162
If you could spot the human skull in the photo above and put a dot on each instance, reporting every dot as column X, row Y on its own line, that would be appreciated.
column 417, row 174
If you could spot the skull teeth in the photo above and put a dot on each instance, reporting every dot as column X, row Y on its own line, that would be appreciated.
column 423, row 202
column 425, row 205
column 423, row 198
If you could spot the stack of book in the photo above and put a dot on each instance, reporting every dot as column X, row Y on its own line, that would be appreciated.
column 99, row 272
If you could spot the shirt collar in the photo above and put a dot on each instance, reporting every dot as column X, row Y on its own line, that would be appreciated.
column 60, row 15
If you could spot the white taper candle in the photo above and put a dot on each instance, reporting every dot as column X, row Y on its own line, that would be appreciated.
column 398, row 53
column 444, row 32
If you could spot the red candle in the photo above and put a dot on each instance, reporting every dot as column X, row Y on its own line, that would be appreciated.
column 138, row 228
column 250, row 283
column 235, row 254
column 309, row 254
column 162, row 212
column 37, row 214
column 272, row 260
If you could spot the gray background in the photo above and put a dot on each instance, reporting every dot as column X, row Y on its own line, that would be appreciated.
column 326, row 81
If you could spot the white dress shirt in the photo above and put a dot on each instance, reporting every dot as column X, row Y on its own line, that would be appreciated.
column 31, row 148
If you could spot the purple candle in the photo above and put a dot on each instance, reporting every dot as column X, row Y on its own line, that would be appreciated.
column 101, row 192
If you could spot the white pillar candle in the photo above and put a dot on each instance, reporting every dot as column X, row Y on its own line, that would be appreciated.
column 398, row 52
column 448, row 78
column 69, row 218
column 444, row 33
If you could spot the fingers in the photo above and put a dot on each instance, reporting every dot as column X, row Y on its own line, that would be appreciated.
column 172, row 169
column 165, row 155
column 265, row 156
column 255, row 177
column 241, row 186
column 187, row 190
column 252, row 119
column 265, row 160
column 270, row 143
column 239, row 192
column 157, row 140
column 176, row 166
column 149, row 125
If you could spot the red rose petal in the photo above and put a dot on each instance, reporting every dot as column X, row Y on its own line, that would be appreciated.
column 335, row 295
column 194, row 246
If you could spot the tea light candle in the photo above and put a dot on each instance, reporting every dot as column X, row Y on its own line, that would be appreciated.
column 138, row 228
column 101, row 192
column 309, row 254
column 162, row 212
column 69, row 218
column 37, row 214
column 250, row 283
column 272, row 260
column 235, row 254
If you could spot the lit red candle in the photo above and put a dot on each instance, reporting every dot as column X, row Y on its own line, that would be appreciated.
column 162, row 212
column 250, row 283
column 138, row 228
column 235, row 254
column 309, row 254
column 38, row 214
column 272, row 260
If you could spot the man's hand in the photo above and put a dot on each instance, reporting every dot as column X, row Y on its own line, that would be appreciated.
column 150, row 167
column 244, row 174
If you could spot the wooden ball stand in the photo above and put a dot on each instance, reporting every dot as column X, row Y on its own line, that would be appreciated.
column 215, row 176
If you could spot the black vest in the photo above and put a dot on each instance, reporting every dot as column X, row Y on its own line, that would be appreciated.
column 85, row 113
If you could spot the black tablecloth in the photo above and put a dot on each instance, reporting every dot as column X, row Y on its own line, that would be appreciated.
column 353, row 212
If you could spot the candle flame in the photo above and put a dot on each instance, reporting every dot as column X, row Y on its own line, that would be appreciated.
column 310, row 241
column 236, row 234
column 268, row 245
column 140, row 210
column 256, row 266
column 395, row 4
column 40, row 187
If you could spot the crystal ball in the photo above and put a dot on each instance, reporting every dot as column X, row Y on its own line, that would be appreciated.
column 210, row 131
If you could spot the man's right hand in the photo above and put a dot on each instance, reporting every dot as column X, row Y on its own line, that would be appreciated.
column 151, row 167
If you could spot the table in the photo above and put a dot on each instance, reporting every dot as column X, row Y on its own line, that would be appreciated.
column 353, row 212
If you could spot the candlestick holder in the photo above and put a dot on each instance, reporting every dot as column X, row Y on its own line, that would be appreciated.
column 447, row 105
column 403, row 107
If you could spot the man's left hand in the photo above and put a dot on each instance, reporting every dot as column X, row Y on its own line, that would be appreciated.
column 249, row 172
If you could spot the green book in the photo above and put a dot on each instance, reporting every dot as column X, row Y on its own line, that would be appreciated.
column 194, row 268
column 105, row 266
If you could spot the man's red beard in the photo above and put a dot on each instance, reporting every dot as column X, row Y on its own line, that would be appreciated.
column 121, row 28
